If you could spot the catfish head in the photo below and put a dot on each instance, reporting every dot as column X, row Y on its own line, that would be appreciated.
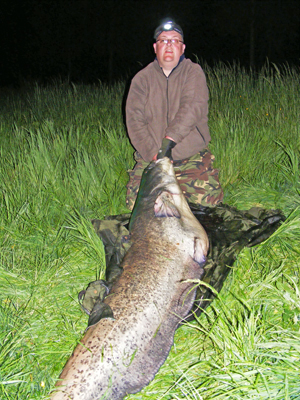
column 160, row 198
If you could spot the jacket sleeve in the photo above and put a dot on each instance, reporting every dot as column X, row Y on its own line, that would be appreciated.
column 193, row 105
column 139, row 131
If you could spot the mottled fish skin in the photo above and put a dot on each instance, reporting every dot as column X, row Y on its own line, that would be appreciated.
column 122, row 355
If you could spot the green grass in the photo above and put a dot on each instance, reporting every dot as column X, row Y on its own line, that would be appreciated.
column 64, row 154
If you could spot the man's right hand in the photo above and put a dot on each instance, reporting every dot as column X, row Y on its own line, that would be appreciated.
column 166, row 149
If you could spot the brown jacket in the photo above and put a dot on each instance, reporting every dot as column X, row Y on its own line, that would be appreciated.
column 176, row 106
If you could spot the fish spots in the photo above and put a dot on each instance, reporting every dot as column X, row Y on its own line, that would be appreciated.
column 123, row 356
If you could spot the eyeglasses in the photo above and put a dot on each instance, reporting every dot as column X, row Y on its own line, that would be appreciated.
column 169, row 41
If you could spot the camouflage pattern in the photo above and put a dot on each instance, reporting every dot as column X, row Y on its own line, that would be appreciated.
column 197, row 178
column 113, row 231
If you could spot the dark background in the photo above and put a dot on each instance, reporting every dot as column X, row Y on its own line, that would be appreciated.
column 90, row 40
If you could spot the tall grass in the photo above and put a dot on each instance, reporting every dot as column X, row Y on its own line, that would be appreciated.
column 64, row 154
column 255, row 125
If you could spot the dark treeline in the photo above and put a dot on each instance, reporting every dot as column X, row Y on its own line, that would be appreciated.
column 86, row 40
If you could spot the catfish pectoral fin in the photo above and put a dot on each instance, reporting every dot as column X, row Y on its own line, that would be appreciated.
column 101, row 310
column 165, row 207
column 199, row 251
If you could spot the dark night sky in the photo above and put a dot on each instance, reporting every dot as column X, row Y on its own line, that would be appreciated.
column 87, row 40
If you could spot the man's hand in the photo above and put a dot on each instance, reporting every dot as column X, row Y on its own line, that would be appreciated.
column 166, row 149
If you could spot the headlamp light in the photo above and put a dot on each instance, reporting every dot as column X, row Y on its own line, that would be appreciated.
column 168, row 25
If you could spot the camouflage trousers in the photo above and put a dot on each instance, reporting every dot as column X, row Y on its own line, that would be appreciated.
column 197, row 178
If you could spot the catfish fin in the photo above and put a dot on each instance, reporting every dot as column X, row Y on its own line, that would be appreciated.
column 199, row 255
column 165, row 207
column 101, row 310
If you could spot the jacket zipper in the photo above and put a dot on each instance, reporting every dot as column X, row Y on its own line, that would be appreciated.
column 167, row 101
column 201, row 134
column 167, row 93
column 168, row 89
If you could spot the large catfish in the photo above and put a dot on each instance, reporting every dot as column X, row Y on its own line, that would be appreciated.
column 121, row 355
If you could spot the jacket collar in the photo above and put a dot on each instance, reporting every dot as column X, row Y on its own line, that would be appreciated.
column 182, row 57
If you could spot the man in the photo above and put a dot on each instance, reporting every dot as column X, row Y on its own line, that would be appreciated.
column 166, row 115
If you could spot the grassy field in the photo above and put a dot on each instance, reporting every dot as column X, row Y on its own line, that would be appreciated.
column 64, row 157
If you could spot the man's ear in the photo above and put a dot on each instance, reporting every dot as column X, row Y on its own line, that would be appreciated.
column 183, row 48
column 154, row 46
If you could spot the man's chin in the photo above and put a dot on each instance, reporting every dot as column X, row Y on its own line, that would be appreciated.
column 169, row 58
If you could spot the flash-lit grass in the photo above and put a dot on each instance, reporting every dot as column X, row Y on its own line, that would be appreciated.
column 64, row 154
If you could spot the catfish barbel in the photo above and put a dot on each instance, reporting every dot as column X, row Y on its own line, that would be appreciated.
column 121, row 355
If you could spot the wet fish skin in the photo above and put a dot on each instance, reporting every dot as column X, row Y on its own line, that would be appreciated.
column 121, row 356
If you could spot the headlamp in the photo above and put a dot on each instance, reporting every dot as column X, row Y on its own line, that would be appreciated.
column 167, row 25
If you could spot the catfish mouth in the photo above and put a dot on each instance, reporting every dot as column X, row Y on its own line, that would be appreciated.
column 167, row 178
column 166, row 166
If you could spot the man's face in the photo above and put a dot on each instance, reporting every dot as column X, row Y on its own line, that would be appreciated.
column 168, row 54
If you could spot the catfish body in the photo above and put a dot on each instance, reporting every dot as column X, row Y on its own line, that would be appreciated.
column 122, row 355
